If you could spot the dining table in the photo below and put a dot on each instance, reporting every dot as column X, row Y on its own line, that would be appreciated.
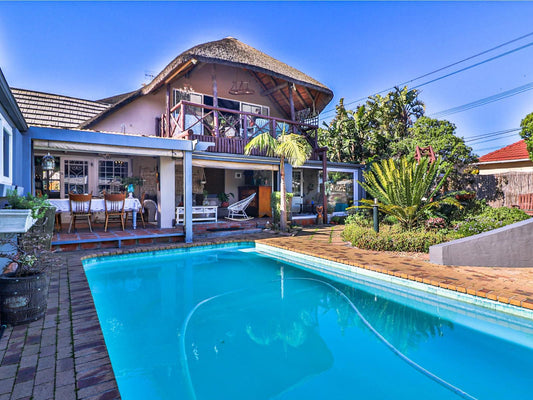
column 97, row 205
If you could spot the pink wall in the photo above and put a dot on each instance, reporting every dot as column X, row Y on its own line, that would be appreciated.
column 138, row 117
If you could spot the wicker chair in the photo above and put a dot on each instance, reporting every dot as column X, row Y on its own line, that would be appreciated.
column 80, row 207
column 114, row 207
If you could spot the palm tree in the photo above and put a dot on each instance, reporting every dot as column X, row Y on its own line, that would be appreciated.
column 405, row 189
column 291, row 147
column 404, row 108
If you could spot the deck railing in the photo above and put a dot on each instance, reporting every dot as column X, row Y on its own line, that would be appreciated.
column 230, row 130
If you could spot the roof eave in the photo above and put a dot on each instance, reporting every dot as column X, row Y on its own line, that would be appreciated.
column 502, row 161
column 10, row 104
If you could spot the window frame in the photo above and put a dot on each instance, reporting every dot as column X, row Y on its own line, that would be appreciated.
column 6, row 128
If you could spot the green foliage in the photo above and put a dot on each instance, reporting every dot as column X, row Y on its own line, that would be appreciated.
column 405, row 189
column 223, row 197
column 37, row 205
column 275, row 203
column 338, row 220
column 527, row 133
column 358, row 218
column 291, row 147
column 489, row 219
column 393, row 238
column 440, row 135
column 371, row 131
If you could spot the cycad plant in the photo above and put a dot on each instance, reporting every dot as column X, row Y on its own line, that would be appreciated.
column 294, row 149
column 406, row 189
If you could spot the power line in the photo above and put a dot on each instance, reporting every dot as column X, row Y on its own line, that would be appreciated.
column 483, row 101
column 489, row 134
column 451, row 65
column 491, row 138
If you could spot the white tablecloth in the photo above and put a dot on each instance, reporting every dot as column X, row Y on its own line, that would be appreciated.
column 97, row 205
column 63, row 206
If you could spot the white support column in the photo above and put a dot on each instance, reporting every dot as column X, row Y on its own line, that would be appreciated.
column 166, row 198
column 187, row 195
column 288, row 177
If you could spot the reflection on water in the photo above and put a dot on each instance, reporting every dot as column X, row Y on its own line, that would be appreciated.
column 402, row 326
column 283, row 330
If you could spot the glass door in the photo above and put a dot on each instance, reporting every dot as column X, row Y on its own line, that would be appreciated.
column 76, row 176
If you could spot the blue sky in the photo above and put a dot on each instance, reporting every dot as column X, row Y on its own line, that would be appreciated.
column 95, row 50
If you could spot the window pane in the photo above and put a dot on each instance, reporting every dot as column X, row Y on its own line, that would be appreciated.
column 6, row 153
column 76, row 176
column 110, row 175
column 340, row 190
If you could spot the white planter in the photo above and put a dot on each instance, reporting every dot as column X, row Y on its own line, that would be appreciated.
column 15, row 221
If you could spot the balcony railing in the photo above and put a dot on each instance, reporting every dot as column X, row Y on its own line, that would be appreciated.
column 230, row 130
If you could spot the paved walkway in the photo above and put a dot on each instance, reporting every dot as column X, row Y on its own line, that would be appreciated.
column 63, row 356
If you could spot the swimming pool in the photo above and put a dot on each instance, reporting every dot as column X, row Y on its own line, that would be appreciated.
column 232, row 322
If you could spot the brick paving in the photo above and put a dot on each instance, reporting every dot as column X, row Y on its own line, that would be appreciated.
column 63, row 356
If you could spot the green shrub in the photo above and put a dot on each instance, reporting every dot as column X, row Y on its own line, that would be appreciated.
column 359, row 218
column 37, row 205
column 276, row 204
column 393, row 238
column 489, row 219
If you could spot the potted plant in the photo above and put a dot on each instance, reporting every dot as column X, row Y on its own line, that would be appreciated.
column 131, row 182
column 23, row 282
column 22, row 212
column 224, row 199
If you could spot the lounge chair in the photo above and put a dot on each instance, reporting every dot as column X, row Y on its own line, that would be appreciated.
column 236, row 210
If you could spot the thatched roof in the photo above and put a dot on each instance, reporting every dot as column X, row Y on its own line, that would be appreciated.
column 269, row 72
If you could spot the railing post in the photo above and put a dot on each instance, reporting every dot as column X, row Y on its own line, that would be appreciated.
column 245, row 128
column 182, row 109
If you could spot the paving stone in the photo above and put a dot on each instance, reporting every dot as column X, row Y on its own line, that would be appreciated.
column 21, row 390
column 44, row 391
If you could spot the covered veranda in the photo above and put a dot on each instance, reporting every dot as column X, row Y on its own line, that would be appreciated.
column 91, row 147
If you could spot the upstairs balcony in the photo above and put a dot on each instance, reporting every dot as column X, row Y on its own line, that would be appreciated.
column 230, row 130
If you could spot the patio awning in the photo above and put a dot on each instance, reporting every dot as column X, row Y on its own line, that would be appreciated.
column 233, row 165
column 102, row 148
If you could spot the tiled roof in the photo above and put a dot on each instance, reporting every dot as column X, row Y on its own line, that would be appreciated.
column 53, row 110
column 515, row 151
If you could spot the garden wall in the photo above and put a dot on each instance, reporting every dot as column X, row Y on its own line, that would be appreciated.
column 502, row 189
column 509, row 246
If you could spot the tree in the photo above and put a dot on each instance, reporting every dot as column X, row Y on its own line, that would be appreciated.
column 372, row 131
column 345, row 135
column 440, row 135
column 291, row 147
column 527, row 133
column 405, row 189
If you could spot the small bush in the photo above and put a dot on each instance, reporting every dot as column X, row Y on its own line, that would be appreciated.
column 358, row 218
column 489, row 219
column 275, row 203
column 393, row 238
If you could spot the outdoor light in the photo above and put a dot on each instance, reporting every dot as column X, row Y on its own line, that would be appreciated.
column 48, row 163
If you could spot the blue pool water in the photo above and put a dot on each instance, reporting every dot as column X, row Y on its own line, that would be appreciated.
column 232, row 323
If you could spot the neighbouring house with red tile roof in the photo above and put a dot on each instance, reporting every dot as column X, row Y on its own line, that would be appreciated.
column 504, row 174
column 512, row 158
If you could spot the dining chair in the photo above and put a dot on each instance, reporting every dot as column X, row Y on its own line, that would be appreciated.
column 140, row 210
column 114, row 207
column 80, row 207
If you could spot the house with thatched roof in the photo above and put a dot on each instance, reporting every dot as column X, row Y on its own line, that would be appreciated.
column 183, row 134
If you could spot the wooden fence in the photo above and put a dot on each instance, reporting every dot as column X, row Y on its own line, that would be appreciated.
column 503, row 189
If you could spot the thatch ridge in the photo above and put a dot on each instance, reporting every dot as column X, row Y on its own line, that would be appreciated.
column 230, row 51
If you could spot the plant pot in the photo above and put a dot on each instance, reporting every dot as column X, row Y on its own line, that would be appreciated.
column 15, row 221
column 224, row 204
column 23, row 299
column 464, row 197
